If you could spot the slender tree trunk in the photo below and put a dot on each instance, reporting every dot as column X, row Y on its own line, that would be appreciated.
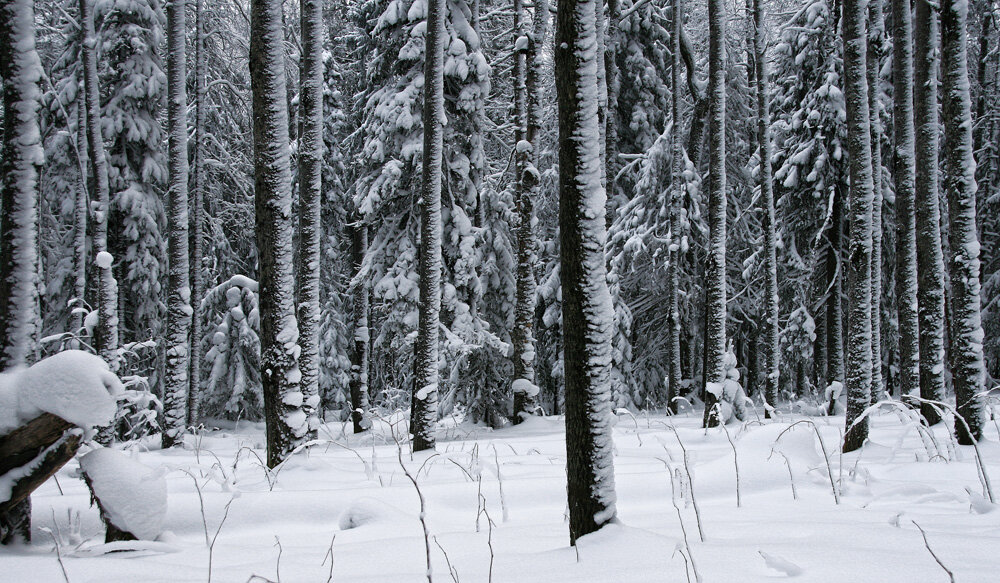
column 715, row 270
column 286, row 422
column 525, row 82
column 588, row 318
column 875, row 50
column 930, row 260
column 362, row 336
column 21, row 159
column 859, row 261
column 80, row 214
column 310, row 199
column 674, row 376
column 904, row 176
column 197, row 214
column 835, row 279
column 967, row 367
column 425, row 382
column 106, row 334
column 771, row 348
column 178, row 327
column 611, row 161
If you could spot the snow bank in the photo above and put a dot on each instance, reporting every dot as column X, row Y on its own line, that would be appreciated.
column 132, row 495
column 74, row 385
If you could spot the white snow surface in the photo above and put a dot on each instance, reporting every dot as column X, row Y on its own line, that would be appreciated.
column 74, row 385
column 361, row 495
column 133, row 494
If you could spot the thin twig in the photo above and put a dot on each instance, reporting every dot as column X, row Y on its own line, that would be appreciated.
column 951, row 576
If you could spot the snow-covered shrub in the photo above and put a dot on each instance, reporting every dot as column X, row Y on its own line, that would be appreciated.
column 732, row 401
column 233, row 387
column 797, row 341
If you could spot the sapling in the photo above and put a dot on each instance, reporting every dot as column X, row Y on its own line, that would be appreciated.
column 822, row 445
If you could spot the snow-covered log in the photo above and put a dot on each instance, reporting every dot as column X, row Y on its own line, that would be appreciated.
column 131, row 496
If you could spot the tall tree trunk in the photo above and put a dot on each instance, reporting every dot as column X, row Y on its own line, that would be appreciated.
column 588, row 318
column 106, row 333
column 526, row 115
column 967, row 367
column 674, row 376
column 715, row 270
column 771, row 348
column 835, row 279
column 80, row 214
column 611, row 161
column 875, row 50
column 904, row 176
column 197, row 212
column 21, row 159
column 362, row 336
column 177, row 365
column 310, row 199
column 859, row 260
column 279, row 332
column 930, row 259
column 425, row 382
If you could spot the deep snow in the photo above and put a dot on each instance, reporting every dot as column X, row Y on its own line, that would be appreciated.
column 352, row 488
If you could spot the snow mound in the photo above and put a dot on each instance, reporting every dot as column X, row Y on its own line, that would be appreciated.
column 782, row 565
column 133, row 495
column 367, row 511
column 74, row 385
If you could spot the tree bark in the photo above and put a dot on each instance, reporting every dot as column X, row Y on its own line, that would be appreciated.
column 197, row 214
column 876, row 40
column 967, row 367
column 285, row 421
column 425, row 382
column 80, row 215
column 859, row 260
column 715, row 269
column 310, row 200
column 930, row 259
column 834, row 280
column 904, row 176
column 106, row 333
column 177, row 364
column 588, row 318
column 362, row 335
column 771, row 347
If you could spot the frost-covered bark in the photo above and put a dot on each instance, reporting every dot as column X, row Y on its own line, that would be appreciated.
column 904, row 179
column 715, row 269
column 21, row 159
column 876, row 35
column 106, row 332
column 178, row 328
column 588, row 318
column 80, row 214
column 859, row 260
column 279, row 332
column 930, row 259
column 310, row 196
column 770, row 337
column 527, row 55
column 425, row 382
column 362, row 335
column 197, row 214
column 967, row 367
column 674, row 375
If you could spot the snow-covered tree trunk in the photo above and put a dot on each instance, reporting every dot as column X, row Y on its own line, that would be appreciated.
column 21, row 158
column 930, row 258
column 425, row 382
column 859, row 259
column 674, row 376
column 588, row 317
column 715, row 269
column 771, row 347
column 80, row 215
column 967, row 367
column 526, row 188
column 876, row 39
column 178, row 327
column 611, row 162
column 310, row 198
column 106, row 332
column 197, row 213
column 362, row 335
column 286, row 422
column 834, row 290
column 904, row 179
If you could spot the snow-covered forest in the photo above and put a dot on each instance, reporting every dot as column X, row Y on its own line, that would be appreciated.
column 513, row 290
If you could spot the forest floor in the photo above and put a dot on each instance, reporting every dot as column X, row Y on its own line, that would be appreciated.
column 349, row 493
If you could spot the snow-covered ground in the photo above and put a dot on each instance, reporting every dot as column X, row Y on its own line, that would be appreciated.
column 351, row 492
